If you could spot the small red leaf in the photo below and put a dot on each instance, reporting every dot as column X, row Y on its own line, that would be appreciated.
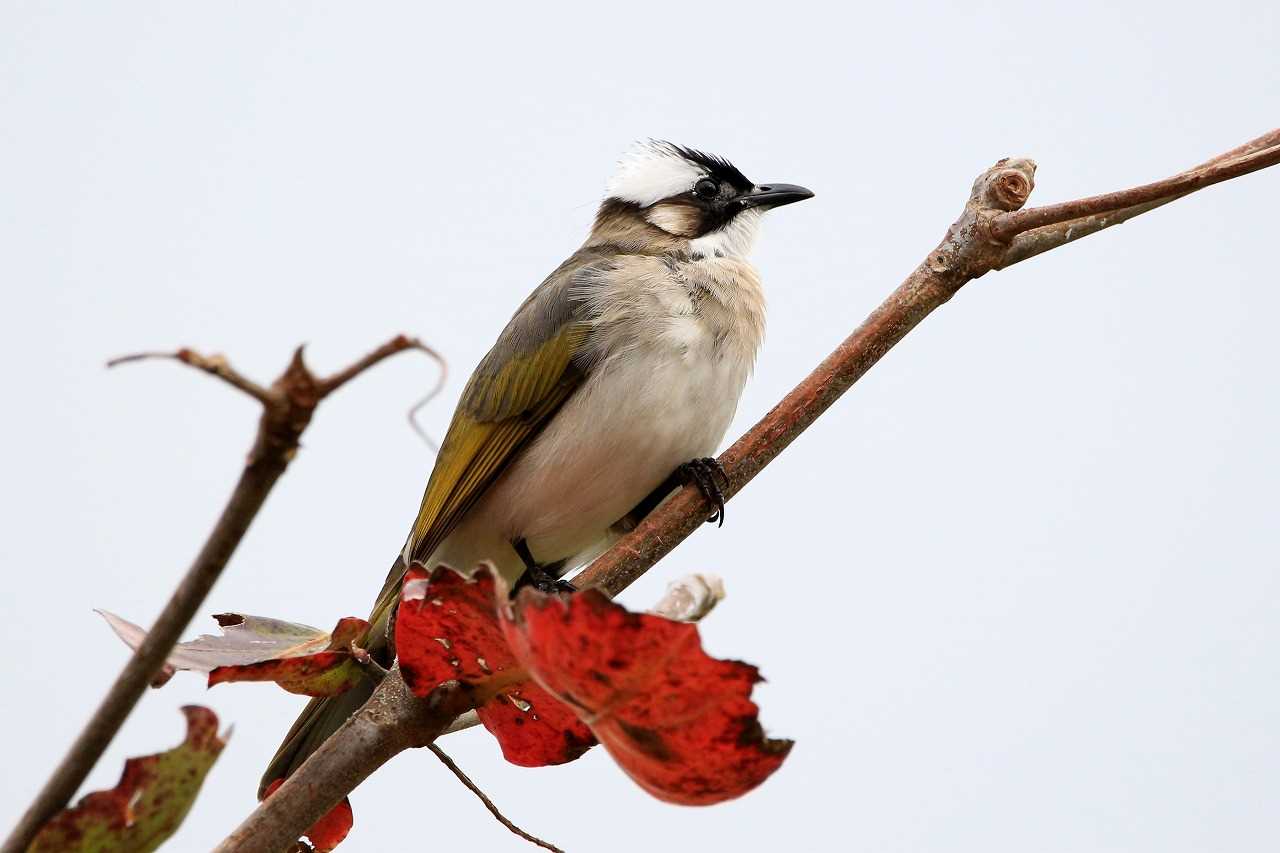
column 447, row 629
column 323, row 673
column 678, row 721
column 149, row 803
column 330, row 830
column 534, row 728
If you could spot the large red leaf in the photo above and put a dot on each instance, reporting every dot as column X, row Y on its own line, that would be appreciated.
column 319, row 673
column 149, row 803
column 330, row 830
column 447, row 629
column 534, row 728
column 680, row 722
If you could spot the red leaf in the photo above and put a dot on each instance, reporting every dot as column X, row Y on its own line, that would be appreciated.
column 447, row 628
column 534, row 728
column 149, row 803
column 323, row 673
column 678, row 721
column 329, row 831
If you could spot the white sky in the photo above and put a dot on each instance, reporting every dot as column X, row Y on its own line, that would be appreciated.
column 1017, row 591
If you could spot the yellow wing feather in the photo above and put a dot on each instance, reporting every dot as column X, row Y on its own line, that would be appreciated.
column 499, row 413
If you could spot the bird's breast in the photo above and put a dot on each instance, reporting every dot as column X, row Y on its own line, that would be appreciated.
column 672, row 354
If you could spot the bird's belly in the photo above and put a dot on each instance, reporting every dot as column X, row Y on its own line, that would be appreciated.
column 611, row 444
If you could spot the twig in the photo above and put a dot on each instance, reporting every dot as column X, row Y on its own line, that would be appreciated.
column 394, row 720
column 214, row 365
column 488, row 803
column 1031, row 243
column 398, row 344
column 375, row 670
column 1266, row 153
column 441, row 379
column 287, row 409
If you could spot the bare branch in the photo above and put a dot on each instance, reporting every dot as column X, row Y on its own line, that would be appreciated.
column 970, row 249
column 1258, row 154
column 214, row 365
column 1038, row 240
column 488, row 803
column 398, row 344
column 287, row 408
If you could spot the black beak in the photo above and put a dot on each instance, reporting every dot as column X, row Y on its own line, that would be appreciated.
column 770, row 196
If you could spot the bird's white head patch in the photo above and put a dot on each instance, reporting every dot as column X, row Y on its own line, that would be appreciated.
column 651, row 171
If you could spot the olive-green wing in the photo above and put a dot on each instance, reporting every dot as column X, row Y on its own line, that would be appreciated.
column 500, row 411
column 533, row 368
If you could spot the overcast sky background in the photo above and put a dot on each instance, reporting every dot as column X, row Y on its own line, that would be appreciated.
column 1017, row 591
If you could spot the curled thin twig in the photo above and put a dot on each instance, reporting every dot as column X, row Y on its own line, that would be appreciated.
column 421, row 404
column 488, row 803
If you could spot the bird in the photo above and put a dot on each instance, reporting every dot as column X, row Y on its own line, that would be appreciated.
column 611, row 386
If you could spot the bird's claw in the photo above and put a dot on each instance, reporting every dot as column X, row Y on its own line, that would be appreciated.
column 543, row 581
column 706, row 473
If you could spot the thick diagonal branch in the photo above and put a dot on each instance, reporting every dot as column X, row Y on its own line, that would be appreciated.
column 287, row 407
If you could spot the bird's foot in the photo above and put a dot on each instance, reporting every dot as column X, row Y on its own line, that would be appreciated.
column 542, row 578
column 543, row 581
column 707, row 474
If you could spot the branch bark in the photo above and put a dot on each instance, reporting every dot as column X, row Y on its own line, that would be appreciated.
column 287, row 408
column 992, row 232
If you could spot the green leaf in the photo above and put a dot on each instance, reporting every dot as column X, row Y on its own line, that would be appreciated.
column 149, row 803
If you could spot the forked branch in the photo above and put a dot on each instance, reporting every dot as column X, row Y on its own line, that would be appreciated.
column 287, row 407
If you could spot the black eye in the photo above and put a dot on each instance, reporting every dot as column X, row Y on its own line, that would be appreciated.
column 706, row 188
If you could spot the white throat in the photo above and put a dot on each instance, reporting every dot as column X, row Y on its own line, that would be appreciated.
column 734, row 240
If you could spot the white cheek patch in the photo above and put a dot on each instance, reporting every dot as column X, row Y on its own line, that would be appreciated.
column 651, row 171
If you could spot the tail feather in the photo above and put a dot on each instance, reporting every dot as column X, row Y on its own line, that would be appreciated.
column 322, row 717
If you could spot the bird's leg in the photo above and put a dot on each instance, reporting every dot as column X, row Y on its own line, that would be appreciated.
column 701, row 473
column 706, row 473
column 542, row 578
